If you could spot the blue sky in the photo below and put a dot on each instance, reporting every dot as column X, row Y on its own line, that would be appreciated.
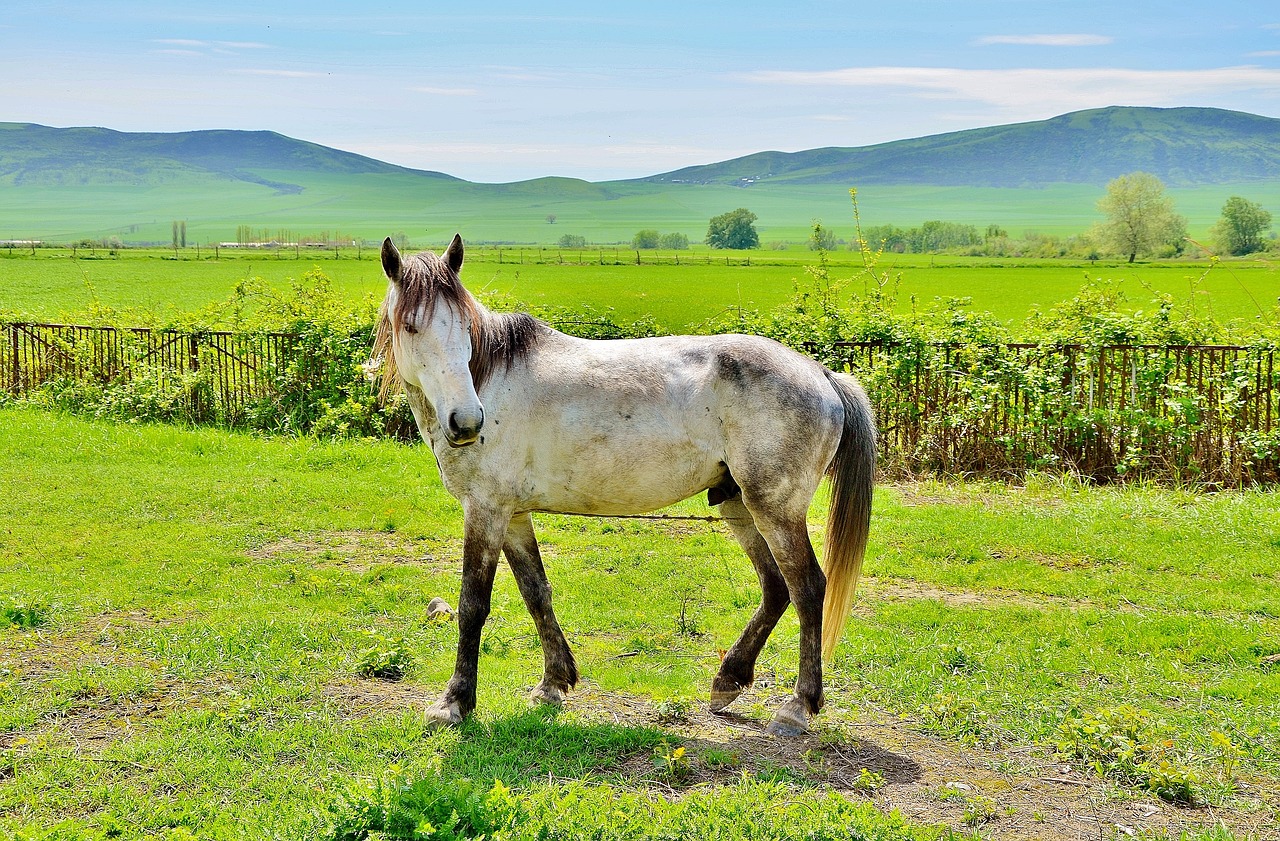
column 501, row 91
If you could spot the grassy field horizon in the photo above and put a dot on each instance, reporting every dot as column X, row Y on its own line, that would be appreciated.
column 371, row 206
column 687, row 297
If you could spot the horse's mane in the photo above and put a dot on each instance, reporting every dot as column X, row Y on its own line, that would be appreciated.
column 497, row 339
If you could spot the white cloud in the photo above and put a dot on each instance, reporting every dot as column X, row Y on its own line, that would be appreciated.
column 1044, row 90
column 1264, row 54
column 1078, row 40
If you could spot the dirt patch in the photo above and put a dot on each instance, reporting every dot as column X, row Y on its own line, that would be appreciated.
column 359, row 698
column 360, row 551
column 1016, row 793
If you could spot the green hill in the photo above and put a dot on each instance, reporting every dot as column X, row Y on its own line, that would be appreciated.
column 39, row 155
column 66, row 184
column 1183, row 146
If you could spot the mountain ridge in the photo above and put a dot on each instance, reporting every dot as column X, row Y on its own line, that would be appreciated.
column 1182, row 146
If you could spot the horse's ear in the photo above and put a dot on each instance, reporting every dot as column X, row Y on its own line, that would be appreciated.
column 453, row 254
column 390, row 260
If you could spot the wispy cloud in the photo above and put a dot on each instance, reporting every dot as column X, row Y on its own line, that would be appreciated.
column 1039, row 89
column 1264, row 54
column 434, row 91
column 193, row 43
column 1076, row 40
column 287, row 74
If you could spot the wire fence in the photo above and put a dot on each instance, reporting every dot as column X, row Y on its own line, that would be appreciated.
column 1203, row 413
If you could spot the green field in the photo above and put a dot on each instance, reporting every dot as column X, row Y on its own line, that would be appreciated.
column 681, row 298
column 186, row 613
column 427, row 209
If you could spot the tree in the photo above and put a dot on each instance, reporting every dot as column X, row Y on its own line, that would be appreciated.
column 675, row 241
column 1140, row 217
column 1240, row 229
column 735, row 229
column 647, row 238
column 822, row 239
column 551, row 218
column 572, row 241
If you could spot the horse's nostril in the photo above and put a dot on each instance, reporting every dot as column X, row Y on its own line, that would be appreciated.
column 453, row 423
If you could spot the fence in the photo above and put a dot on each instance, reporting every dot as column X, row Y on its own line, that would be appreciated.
column 1206, row 413
column 233, row 369
column 1202, row 413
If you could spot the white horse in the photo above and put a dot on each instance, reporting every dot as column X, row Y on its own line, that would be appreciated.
column 523, row 418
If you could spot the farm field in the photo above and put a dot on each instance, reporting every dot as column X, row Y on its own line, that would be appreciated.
column 429, row 207
column 186, row 613
column 687, row 297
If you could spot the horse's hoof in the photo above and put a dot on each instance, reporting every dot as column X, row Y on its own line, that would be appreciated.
column 441, row 714
column 723, row 693
column 546, row 694
column 789, row 721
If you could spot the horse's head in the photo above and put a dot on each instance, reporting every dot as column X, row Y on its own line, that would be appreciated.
column 428, row 333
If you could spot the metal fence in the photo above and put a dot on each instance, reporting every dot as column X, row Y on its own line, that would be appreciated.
column 1207, row 413
column 236, row 368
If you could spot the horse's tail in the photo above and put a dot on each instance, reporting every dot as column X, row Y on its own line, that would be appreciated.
column 849, row 519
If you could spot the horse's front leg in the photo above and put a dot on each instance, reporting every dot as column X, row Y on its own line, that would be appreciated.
column 559, row 672
column 485, row 529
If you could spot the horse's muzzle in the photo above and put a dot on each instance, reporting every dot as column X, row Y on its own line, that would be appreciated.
column 464, row 427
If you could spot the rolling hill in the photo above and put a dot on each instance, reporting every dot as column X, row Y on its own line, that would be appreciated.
column 65, row 184
column 1182, row 146
column 39, row 155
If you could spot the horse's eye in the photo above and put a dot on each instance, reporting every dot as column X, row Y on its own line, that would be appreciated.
column 410, row 329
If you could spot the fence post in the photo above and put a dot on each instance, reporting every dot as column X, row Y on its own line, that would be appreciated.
column 193, row 353
column 13, row 348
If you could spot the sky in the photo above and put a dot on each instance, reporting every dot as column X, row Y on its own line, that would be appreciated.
column 504, row 91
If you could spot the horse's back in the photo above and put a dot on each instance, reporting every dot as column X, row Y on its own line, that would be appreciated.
column 631, row 425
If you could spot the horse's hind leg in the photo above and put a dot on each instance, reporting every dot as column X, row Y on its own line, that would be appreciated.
column 737, row 671
column 559, row 672
column 788, row 538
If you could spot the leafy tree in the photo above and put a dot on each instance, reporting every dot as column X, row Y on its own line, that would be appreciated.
column 675, row 242
column 735, row 229
column 647, row 238
column 551, row 218
column 1240, row 229
column 572, row 241
column 1140, row 216
column 822, row 239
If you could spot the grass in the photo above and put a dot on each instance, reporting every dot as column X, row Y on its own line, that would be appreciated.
column 681, row 298
column 373, row 205
column 207, row 601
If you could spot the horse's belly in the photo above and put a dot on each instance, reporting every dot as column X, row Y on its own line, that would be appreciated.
column 589, row 480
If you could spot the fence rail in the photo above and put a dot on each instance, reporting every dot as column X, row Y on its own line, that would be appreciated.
column 1208, row 413
column 1198, row 412
column 238, row 367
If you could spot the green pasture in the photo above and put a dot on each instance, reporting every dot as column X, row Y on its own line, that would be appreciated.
column 430, row 208
column 690, row 296
column 186, row 614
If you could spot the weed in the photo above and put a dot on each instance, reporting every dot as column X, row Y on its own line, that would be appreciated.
column 686, row 623
column 868, row 781
column 671, row 762
column 953, row 716
column 672, row 710
column 387, row 658
column 1127, row 745
column 24, row 614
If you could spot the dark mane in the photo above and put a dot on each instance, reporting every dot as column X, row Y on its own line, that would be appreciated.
column 498, row 340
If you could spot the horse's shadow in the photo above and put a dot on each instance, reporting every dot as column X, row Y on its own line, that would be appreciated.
column 542, row 744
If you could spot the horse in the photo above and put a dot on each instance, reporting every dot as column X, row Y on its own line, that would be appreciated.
column 523, row 418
